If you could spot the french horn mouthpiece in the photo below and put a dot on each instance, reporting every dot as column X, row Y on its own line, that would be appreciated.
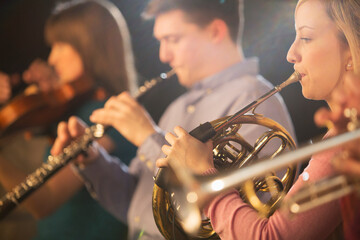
column 295, row 77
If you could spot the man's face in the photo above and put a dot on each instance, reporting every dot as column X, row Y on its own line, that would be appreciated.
column 183, row 45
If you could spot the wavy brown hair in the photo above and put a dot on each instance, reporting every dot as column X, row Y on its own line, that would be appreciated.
column 97, row 30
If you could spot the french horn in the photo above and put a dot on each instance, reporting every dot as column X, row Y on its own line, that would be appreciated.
column 194, row 192
column 173, row 215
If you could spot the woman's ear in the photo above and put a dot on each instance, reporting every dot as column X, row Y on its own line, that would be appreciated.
column 348, row 60
column 349, row 66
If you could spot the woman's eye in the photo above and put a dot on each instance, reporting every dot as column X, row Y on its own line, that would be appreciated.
column 305, row 39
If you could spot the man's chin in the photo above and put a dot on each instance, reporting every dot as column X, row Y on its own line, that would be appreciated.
column 186, row 80
column 185, row 83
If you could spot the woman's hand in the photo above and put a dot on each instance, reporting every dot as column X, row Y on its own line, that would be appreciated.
column 188, row 151
column 42, row 74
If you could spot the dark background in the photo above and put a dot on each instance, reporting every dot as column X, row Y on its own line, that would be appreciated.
column 269, row 32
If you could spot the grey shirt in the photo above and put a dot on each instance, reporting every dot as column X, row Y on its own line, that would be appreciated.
column 127, row 192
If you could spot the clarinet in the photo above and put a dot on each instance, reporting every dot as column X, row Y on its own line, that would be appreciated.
column 54, row 163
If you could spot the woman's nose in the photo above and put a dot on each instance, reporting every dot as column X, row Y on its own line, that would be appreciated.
column 292, row 55
column 52, row 57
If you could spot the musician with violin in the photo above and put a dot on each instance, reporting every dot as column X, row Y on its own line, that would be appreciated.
column 97, row 62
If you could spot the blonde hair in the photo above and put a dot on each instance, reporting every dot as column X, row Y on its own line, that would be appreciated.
column 346, row 16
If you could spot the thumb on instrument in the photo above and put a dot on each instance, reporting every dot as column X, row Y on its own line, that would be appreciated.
column 162, row 162
column 62, row 140
column 76, row 126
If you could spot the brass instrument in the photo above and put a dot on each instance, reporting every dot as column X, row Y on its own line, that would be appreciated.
column 321, row 192
column 54, row 163
column 330, row 188
column 195, row 192
column 175, row 216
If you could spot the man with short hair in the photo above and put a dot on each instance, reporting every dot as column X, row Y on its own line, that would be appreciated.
column 199, row 40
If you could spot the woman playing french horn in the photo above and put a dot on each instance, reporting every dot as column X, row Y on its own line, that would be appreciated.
column 326, row 52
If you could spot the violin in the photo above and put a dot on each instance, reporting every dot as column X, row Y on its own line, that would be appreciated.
column 39, row 109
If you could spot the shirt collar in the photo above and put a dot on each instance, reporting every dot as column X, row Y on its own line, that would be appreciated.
column 248, row 66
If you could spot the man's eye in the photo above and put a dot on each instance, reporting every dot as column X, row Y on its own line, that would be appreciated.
column 173, row 39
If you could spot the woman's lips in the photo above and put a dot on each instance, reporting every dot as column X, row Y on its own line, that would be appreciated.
column 302, row 76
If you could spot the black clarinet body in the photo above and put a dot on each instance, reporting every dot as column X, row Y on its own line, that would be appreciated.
column 54, row 163
column 48, row 169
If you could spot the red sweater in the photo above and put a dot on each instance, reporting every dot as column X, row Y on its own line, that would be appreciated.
column 231, row 218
